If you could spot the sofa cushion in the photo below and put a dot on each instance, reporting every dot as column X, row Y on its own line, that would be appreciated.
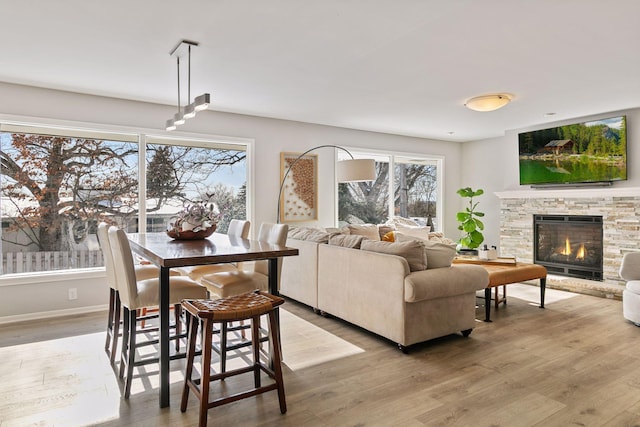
column 438, row 254
column 370, row 231
column 412, row 251
column 345, row 240
column 310, row 234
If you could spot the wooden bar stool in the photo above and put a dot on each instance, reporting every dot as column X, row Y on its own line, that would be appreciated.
column 247, row 306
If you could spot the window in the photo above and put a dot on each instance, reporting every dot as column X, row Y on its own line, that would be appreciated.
column 414, row 185
column 58, row 184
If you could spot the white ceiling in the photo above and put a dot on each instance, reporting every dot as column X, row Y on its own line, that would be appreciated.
column 402, row 66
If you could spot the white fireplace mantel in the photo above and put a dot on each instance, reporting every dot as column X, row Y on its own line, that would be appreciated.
column 569, row 193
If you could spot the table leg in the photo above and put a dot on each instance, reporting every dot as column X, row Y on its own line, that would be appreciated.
column 164, row 336
column 273, row 290
column 487, row 304
column 543, row 285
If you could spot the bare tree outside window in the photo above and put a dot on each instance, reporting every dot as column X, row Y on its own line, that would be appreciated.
column 57, row 188
column 415, row 193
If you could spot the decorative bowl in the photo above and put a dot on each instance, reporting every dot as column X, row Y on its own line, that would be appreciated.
column 191, row 235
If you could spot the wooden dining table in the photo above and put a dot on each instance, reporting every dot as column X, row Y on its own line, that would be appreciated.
column 166, row 253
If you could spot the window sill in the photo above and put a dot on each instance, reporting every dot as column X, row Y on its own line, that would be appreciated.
column 44, row 277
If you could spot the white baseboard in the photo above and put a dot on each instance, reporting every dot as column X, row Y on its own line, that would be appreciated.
column 51, row 314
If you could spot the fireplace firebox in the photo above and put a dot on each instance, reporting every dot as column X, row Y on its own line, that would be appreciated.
column 569, row 245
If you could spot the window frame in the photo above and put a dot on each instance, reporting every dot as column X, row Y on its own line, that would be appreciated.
column 142, row 135
column 360, row 153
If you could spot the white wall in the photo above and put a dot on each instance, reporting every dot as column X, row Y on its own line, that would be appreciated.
column 492, row 165
column 271, row 137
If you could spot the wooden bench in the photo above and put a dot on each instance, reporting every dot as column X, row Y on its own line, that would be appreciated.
column 502, row 274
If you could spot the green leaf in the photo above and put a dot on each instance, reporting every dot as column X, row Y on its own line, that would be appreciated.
column 465, row 192
column 476, row 238
column 462, row 216
column 479, row 224
column 469, row 226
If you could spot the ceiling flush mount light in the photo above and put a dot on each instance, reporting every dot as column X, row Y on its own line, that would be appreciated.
column 200, row 103
column 488, row 102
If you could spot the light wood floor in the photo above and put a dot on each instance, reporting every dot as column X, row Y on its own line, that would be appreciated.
column 577, row 362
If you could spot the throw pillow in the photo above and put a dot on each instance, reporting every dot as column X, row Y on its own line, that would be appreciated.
column 370, row 231
column 438, row 254
column 412, row 251
column 310, row 234
column 399, row 220
column 341, row 230
column 345, row 240
column 389, row 237
column 416, row 231
column 383, row 230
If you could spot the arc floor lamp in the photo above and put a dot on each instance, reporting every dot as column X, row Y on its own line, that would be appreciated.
column 350, row 170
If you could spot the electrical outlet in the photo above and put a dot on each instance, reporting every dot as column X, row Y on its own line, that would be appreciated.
column 73, row 293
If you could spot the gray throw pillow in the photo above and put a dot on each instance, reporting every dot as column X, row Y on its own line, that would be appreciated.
column 346, row 240
column 438, row 254
column 412, row 251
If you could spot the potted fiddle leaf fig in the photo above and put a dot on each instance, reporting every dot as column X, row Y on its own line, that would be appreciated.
column 470, row 223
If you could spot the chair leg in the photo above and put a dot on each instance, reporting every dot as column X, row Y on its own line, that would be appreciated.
column 177, row 313
column 112, row 303
column 207, row 330
column 143, row 312
column 131, row 354
column 255, row 346
column 223, row 346
column 116, row 328
column 125, row 342
column 274, row 338
column 192, row 331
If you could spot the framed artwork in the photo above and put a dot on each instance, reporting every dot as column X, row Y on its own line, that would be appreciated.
column 299, row 200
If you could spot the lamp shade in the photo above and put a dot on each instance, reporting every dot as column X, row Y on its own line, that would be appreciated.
column 356, row 170
column 488, row 102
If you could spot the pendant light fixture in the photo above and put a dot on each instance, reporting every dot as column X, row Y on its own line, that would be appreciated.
column 200, row 103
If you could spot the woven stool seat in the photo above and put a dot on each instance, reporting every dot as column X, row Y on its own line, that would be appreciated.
column 238, row 307
column 245, row 306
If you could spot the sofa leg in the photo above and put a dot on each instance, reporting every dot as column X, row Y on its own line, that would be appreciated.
column 466, row 332
column 403, row 348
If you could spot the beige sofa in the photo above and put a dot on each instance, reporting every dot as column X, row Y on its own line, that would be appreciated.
column 377, row 291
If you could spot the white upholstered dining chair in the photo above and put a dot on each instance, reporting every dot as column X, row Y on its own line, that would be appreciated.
column 142, row 272
column 237, row 228
column 137, row 294
column 238, row 281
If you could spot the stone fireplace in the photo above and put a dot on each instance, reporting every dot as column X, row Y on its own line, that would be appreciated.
column 569, row 245
column 618, row 208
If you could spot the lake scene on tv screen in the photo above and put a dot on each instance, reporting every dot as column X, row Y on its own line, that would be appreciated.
column 594, row 151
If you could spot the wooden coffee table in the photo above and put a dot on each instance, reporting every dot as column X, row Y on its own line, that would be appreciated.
column 504, row 271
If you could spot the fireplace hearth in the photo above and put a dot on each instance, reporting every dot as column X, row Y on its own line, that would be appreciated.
column 569, row 245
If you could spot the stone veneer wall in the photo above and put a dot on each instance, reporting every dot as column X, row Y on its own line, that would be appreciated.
column 620, row 212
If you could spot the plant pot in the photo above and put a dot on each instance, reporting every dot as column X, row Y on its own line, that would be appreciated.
column 467, row 251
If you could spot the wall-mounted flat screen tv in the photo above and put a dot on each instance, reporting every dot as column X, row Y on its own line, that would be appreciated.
column 589, row 152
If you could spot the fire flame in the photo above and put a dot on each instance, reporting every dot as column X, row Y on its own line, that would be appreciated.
column 567, row 248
